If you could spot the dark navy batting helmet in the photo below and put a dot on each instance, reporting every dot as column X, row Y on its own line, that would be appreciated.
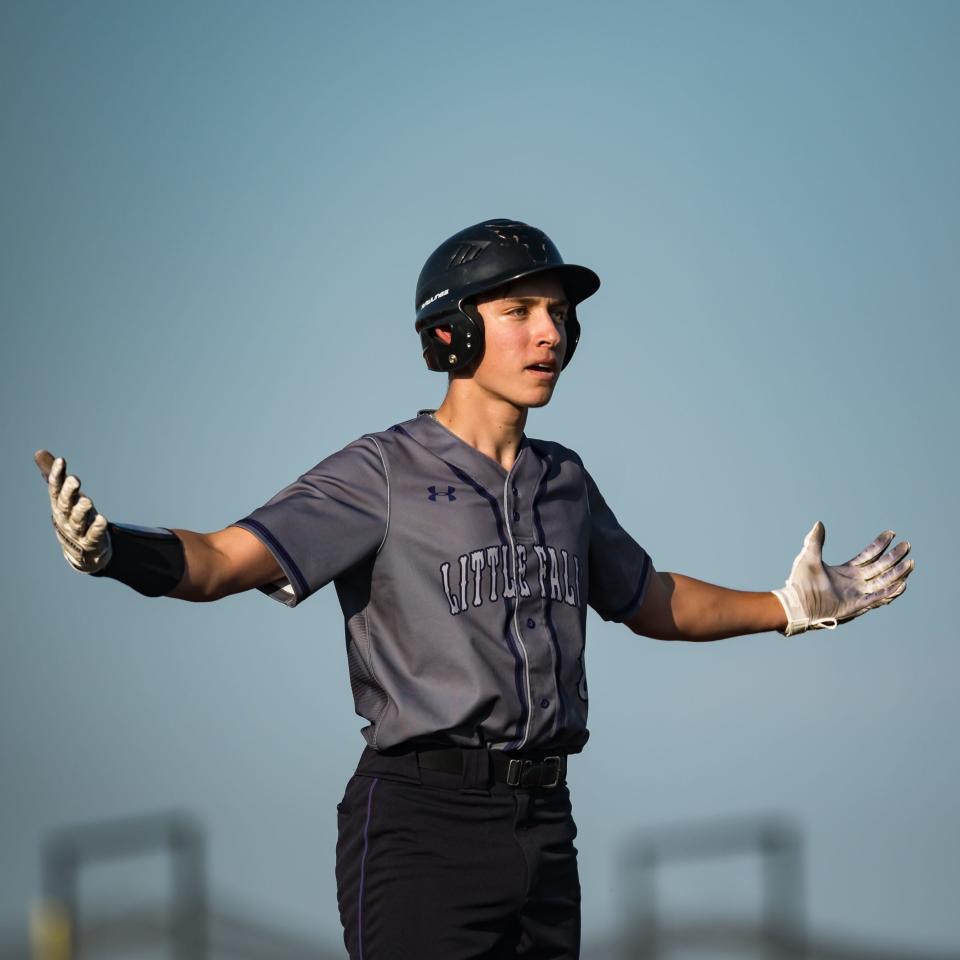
column 475, row 261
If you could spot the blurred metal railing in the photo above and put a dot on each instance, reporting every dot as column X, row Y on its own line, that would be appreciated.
column 57, row 932
column 777, row 844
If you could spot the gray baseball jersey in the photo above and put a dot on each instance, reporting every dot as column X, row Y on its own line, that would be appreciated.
column 464, row 587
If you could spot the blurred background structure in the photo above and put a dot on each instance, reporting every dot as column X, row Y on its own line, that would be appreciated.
column 190, row 925
column 212, row 217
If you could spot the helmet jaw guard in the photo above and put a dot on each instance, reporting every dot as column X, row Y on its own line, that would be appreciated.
column 475, row 261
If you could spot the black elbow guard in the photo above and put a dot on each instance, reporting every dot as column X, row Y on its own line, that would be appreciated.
column 149, row 559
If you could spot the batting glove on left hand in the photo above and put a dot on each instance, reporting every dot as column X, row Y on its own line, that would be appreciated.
column 817, row 595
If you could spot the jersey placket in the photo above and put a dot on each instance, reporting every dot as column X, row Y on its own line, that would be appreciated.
column 530, row 611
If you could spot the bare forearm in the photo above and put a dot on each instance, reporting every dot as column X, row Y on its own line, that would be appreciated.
column 202, row 562
column 704, row 611
column 223, row 563
column 678, row 607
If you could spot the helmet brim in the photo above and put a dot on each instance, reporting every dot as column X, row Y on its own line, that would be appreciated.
column 578, row 282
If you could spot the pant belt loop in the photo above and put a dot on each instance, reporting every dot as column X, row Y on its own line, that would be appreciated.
column 477, row 772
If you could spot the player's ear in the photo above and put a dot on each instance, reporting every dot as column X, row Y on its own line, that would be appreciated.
column 444, row 334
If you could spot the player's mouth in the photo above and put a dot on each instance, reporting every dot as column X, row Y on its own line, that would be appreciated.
column 545, row 370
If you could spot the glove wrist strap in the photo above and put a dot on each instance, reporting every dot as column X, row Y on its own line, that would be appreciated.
column 797, row 619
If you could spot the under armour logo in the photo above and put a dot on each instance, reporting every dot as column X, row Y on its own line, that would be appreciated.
column 448, row 493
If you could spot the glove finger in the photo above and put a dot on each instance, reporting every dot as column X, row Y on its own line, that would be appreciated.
column 870, row 570
column 81, row 516
column 68, row 495
column 55, row 479
column 888, row 595
column 879, row 598
column 97, row 534
column 872, row 550
column 44, row 461
column 815, row 538
column 811, row 553
column 96, row 541
column 900, row 572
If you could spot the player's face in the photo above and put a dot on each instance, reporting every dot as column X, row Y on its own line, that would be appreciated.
column 525, row 339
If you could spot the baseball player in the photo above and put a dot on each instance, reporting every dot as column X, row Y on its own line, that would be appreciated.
column 465, row 554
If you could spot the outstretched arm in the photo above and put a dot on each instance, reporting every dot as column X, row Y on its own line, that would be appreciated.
column 815, row 595
column 154, row 561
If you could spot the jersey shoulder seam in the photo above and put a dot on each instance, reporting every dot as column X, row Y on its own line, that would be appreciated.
column 554, row 446
column 546, row 445
column 386, row 474
column 366, row 622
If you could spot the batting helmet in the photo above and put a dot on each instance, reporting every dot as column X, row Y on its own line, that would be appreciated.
column 475, row 261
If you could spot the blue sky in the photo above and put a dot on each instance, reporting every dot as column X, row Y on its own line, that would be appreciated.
column 213, row 219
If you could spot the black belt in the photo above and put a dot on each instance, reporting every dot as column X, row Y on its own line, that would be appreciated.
column 547, row 772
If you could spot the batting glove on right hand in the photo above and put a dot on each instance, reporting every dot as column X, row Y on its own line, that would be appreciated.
column 82, row 531
column 817, row 595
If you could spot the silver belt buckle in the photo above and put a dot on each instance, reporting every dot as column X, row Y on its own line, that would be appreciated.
column 520, row 772
column 557, row 766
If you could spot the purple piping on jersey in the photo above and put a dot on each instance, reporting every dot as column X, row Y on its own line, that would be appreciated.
column 255, row 526
column 508, row 632
column 558, row 656
column 641, row 587
column 363, row 868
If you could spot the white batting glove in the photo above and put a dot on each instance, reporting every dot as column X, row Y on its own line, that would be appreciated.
column 82, row 531
column 817, row 595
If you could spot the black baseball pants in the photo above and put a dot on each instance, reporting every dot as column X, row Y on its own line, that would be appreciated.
column 449, row 866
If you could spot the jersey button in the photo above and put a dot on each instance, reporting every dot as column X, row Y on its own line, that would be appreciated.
column 516, row 492
column 544, row 703
column 531, row 623
column 516, row 517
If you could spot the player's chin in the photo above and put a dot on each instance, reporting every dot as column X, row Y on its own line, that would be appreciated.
column 540, row 397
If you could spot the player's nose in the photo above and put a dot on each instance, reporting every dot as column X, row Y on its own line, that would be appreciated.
column 547, row 330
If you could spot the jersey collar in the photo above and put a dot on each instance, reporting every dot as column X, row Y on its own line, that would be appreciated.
column 448, row 446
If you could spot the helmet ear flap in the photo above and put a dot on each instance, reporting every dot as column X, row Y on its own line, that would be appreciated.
column 466, row 340
column 573, row 335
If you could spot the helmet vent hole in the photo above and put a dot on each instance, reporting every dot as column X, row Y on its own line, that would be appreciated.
column 467, row 252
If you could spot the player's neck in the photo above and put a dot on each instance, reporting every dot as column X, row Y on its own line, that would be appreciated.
column 493, row 425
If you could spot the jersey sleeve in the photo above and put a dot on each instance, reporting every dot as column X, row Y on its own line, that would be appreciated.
column 329, row 519
column 618, row 567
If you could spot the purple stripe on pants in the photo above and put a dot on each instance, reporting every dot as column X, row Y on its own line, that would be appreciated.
column 363, row 867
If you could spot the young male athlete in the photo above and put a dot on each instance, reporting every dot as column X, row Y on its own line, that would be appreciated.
column 465, row 555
